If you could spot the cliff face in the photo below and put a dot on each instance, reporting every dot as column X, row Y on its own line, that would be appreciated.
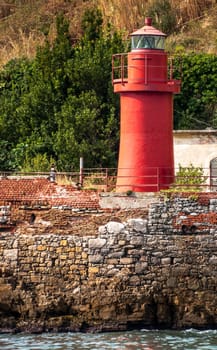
column 150, row 269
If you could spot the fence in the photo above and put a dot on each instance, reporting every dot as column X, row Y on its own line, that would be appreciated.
column 105, row 179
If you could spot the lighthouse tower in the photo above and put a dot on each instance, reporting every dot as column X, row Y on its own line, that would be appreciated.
column 146, row 162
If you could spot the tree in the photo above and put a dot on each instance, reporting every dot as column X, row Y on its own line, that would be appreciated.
column 91, row 24
column 49, row 85
column 61, row 104
column 196, row 105
column 91, row 101
column 14, row 83
column 82, row 132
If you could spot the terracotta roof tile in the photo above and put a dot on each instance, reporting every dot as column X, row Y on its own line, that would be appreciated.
column 41, row 189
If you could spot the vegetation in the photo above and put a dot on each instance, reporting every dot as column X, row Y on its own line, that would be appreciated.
column 56, row 97
column 189, row 178
column 60, row 105
column 196, row 105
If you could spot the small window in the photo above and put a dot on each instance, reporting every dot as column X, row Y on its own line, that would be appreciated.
column 148, row 42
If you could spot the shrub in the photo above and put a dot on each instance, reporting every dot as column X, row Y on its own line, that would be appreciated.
column 189, row 178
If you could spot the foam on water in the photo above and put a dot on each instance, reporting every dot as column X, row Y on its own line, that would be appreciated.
column 135, row 340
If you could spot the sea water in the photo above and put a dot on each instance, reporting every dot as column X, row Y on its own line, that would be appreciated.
column 133, row 340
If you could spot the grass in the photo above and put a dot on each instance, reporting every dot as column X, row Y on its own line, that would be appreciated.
column 24, row 23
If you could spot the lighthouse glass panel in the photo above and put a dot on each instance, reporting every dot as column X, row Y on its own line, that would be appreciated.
column 147, row 42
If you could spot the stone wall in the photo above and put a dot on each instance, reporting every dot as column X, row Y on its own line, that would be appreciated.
column 143, row 271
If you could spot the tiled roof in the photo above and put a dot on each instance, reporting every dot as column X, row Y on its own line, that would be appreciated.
column 41, row 190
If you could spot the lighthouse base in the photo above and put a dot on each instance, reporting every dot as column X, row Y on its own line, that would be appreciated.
column 146, row 161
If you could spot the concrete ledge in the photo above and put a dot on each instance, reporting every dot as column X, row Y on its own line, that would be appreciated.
column 124, row 201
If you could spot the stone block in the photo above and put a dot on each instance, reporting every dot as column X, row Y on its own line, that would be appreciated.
column 41, row 247
column 96, row 243
column 35, row 278
column 213, row 260
column 115, row 255
column 166, row 261
column 84, row 256
column 140, row 267
column 78, row 249
column 10, row 254
column 121, row 242
column 64, row 242
column 112, row 272
column 112, row 261
column 114, row 227
column 96, row 259
column 102, row 230
column 71, row 254
column 63, row 257
column 93, row 270
column 137, row 241
column 126, row 261
column 73, row 267
column 138, row 225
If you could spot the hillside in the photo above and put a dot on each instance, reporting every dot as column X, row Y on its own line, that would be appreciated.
column 24, row 24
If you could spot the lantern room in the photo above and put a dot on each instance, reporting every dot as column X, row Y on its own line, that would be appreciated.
column 147, row 38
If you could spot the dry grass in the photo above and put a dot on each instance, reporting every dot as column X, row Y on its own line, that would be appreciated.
column 124, row 14
column 24, row 46
column 23, row 23
column 198, row 33
column 196, row 21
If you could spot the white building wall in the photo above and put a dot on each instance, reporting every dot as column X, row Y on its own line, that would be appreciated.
column 196, row 147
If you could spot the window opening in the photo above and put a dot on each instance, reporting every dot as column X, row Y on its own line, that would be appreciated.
column 213, row 174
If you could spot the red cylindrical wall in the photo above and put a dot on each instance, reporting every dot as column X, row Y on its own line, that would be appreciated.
column 149, row 66
column 146, row 142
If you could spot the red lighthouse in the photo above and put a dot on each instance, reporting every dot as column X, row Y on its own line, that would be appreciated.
column 146, row 162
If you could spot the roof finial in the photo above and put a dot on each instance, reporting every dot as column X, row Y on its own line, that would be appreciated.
column 148, row 21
